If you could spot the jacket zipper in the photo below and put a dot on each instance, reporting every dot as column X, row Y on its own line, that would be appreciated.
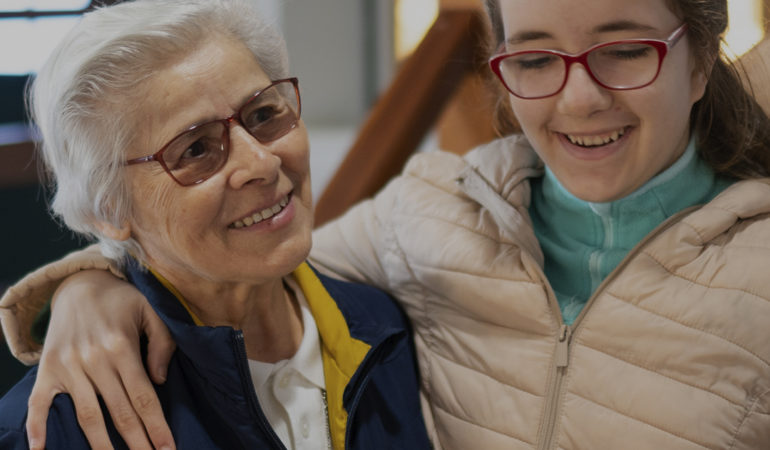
column 564, row 339
column 262, row 422
column 561, row 360
column 365, row 367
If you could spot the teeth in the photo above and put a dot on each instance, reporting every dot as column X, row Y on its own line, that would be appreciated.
column 261, row 215
column 594, row 141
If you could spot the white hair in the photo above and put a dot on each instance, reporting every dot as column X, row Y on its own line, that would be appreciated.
column 81, row 100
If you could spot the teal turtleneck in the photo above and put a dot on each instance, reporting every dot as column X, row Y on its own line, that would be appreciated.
column 584, row 241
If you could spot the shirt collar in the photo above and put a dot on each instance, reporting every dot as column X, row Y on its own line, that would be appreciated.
column 307, row 360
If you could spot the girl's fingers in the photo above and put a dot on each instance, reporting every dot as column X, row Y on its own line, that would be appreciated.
column 160, row 346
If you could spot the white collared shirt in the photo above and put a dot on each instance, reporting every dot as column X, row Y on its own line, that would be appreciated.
column 292, row 392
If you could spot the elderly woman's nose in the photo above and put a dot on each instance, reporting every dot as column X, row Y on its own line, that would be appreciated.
column 581, row 95
column 250, row 160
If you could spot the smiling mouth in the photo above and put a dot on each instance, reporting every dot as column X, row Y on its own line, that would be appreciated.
column 259, row 216
column 596, row 140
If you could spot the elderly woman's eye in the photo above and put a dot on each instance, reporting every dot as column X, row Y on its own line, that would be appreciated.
column 263, row 114
column 196, row 150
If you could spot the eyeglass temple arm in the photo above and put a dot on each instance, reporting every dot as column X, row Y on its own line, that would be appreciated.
column 676, row 35
column 141, row 160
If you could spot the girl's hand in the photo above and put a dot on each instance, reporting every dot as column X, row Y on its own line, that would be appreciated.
column 92, row 347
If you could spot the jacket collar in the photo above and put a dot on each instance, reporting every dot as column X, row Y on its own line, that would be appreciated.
column 497, row 176
column 351, row 341
column 353, row 337
column 742, row 200
column 208, row 349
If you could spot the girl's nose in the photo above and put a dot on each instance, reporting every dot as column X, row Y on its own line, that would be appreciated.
column 581, row 95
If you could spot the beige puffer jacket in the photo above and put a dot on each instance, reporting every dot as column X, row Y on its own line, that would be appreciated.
column 672, row 351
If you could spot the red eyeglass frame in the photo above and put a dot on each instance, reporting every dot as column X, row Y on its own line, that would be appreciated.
column 235, row 117
column 662, row 47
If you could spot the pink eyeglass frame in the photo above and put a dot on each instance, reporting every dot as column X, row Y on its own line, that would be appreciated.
column 662, row 47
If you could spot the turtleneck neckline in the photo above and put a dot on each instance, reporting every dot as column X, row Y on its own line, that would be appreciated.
column 584, row 241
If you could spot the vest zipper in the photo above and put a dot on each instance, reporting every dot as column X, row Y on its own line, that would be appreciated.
column 251, row 393
column 365, row 368
column 564, row 339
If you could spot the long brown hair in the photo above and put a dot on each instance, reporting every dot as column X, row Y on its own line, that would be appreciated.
column 733, row 131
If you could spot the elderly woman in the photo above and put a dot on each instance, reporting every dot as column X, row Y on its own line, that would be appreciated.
column 174, row 137
column 597, row 283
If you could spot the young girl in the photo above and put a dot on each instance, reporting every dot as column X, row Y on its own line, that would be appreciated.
column 599, row 282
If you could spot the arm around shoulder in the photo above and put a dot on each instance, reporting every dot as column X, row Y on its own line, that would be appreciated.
column 22, row 302
column 353, row 246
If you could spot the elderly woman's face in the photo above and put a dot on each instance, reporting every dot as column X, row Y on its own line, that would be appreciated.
column 197, row 232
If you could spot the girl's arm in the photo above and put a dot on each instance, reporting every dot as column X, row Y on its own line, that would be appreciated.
column 91, row 348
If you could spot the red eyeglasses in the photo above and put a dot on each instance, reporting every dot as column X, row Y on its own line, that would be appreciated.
column 617, row 65
column 202, row 150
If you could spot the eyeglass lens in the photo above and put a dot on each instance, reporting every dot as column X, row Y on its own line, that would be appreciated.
column 203, row 150
column 618, row 66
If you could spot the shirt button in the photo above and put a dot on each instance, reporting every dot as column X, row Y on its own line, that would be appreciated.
column 305, row 429
column 284, row 381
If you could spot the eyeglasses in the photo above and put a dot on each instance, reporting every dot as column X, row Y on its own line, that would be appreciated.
column 617, row 65
column 202, row 150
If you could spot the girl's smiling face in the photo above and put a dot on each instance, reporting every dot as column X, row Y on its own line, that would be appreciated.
column 647, row 128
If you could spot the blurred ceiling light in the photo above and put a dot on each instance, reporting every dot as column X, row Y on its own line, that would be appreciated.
column 413, row 18
column 746, row 26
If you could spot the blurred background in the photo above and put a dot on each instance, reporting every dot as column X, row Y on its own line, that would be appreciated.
column 345, row 52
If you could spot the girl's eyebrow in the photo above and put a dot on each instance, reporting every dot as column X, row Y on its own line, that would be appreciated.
column 622, row 25
column 526, row 36
column 619, row 25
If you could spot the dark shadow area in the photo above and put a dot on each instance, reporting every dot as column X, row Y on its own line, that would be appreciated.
column 12, row 98
column 29, row 237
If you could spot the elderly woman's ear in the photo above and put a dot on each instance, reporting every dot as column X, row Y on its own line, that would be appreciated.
column 109, row 230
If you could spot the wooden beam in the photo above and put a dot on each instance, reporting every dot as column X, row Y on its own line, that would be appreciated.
column 405, row 113
column 765, row 13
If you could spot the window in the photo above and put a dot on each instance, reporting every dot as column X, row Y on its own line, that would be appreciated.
column 413, row 18
column 746, row 26
column 37, row 25
column 34, row 27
